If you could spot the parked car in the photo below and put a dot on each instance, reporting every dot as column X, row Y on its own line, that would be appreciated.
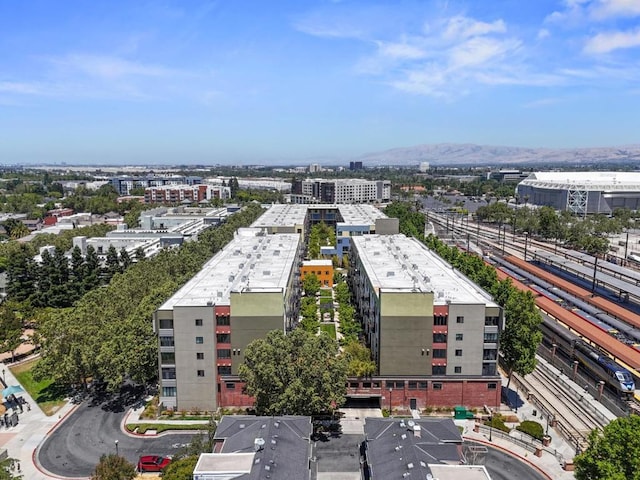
column 152, row 463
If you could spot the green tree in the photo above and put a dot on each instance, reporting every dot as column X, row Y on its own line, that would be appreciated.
column 359, row 363
column 612, row 453
column 297, row 374
column 111, row 264
column 10, row 328
column 21, row 274
column 521, row 336
column 311, row 284
column 92, row 269
column 181, row 468
column 9, row 469
column 125, row 259
column 76, row 274
column 114, row 467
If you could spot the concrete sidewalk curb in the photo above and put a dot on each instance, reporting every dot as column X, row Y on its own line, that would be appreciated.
column 513, row 454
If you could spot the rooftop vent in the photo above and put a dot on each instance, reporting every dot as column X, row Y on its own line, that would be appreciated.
column 391, row 273
column 258, row 443
column 417, row 431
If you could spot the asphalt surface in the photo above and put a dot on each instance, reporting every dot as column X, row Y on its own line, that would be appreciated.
column 502, row 466
column 75, row 447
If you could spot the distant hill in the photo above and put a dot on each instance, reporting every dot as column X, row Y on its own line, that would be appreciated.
column 470, row 154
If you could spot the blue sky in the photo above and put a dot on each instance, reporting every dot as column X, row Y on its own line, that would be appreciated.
column 236, row 81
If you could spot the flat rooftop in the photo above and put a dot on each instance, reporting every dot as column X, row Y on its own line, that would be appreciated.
column 399, row 263
column 250, row 262
column 282, row 215
column 359, row 214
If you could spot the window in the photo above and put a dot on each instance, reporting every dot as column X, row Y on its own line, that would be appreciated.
column 198, row 322
column 224, row 370
column 223, row 320
column 167, row 341
column 167, row 358
column 230, row 386
column 223, row 353
column 375, row 384
column 366, row 384
column 488, row 369
column 459, row 352
column 440, row 320
column 459, row 336
column 200, row 356
column 169, row 391
column 396, row 384
column 438, row 370
column 223, row 338
column 201, row 373
column 490, row 337
column 437, row 386
column 439, row 338
column 491, row 321
column 459, row 319
column 457, row 369
column 168, row 373
column 439, row 353
column 422, row 385
column 489, row 354
column 199, row 340
column 166, row 323
column 354, row 384
column 492, row 386
column 413, row 385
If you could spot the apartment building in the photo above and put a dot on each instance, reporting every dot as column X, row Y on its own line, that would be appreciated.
column 124, row 185
column 323, row 269
column 246, row 290
column 186, row 193
column 355, row 190
column 427, row 324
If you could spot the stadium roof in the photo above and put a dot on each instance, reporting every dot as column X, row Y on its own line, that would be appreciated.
column 596, row 181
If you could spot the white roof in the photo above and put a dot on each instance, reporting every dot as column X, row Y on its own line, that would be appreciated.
column 359, row 214
column 282, row 215
column 399, row 263
column 250, row 262
column 295, row 214
column 598, row 181
column 317, row 263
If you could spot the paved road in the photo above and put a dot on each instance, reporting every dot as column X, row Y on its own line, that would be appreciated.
column 74, row 449
column 502, row 466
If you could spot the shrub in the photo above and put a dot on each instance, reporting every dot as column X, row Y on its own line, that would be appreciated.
column 497, row 422
column 531, row 428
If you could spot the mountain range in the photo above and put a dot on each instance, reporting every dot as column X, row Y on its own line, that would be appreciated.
column 445, row 154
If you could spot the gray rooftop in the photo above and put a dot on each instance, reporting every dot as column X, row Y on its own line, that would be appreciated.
column 359, row 214
column 250, row 262
column 277, row 448
column 396, row 447
column 399, row 263
column 280, row 215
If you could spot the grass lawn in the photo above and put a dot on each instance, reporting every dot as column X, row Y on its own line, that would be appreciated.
column 330, row 328
column 48, row 395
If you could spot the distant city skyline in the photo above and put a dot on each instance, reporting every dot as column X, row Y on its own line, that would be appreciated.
column 298, row 82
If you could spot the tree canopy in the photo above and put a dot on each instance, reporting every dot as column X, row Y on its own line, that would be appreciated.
column 114, row 467
column 613, row 453
column 295, row 374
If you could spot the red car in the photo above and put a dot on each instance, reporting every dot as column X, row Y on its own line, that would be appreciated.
column 152, row 463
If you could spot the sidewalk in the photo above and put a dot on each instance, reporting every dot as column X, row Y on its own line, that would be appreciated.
column 22, row 440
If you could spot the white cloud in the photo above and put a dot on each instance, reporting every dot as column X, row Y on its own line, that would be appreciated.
column 480, row 50
column 108, row 67
column 400, row 50
column 610, row 41
column 21, row 88
column 460, row 27
column 543, row 33
column 616, row 8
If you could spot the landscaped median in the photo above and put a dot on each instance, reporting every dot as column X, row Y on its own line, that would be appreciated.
column 151, row 428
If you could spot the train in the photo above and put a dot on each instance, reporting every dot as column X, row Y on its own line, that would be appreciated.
column 598, row 363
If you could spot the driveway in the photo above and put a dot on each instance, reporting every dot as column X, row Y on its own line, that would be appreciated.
column 75, row 447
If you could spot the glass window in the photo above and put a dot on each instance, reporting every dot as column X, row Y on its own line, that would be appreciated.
column 230, row 385
column 413, row 385
column 223, row 353
column 437, row 386
column 439, row 353
column 167, row 358
column 224, row 370
column 167, row 341
column 438, row 370
column 439, row 338
column 199, row 340
column 440, row 320
column 198, row 322
column 459, row 319
column 166, row 323
column 459, row 352
column 491, row 337
column 223, row 320
column 491, row 321
column 169, row 391
column 492, row 386
column 168, row 373
column 489, row 354
column 200, row 356
column 457, row 369
column 223, row 338
column 201, row 373
column 375, row 384
column 459, row 336
column 366, row 384
column 354, row 384
column 422, row 385
column 488, row 369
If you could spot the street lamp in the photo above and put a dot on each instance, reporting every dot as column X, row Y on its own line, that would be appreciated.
column 390, row 390
column 491, row 426
column 116, row 442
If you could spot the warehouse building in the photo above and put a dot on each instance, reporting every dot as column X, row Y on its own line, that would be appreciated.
column 582, row 193
column 433, row 333
column 246, row 290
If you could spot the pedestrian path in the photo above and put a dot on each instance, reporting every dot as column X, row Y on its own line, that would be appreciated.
column 22, row 440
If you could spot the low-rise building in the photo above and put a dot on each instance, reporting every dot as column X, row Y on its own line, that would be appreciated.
column 186, row 193
column 323, row 269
